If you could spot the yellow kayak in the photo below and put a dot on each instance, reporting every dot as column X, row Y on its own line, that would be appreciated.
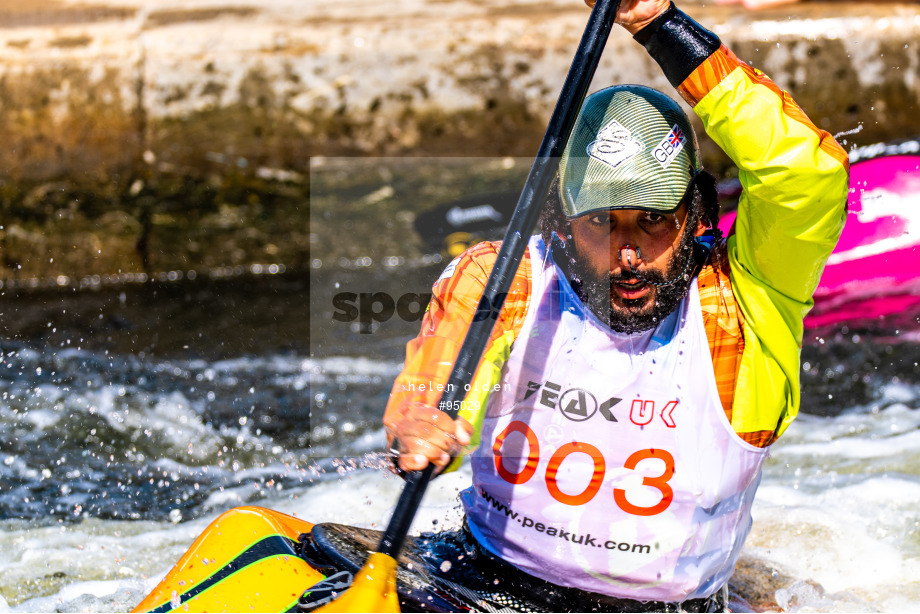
column 246, row 560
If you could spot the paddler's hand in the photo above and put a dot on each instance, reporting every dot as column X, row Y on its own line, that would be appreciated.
column 423, row 434
column 636, row 14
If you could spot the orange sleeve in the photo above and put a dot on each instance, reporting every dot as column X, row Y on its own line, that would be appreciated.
column 722, row 63
column 724, row 326
column 431, row 355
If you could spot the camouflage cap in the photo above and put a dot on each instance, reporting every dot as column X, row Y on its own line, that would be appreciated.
column 632, row 148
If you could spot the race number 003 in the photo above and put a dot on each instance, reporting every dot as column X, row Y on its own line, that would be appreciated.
column 659, row 482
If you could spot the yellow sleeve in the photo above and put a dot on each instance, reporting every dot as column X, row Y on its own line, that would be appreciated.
column 790, row 216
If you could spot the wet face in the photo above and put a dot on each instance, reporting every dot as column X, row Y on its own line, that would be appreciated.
column 610, row 287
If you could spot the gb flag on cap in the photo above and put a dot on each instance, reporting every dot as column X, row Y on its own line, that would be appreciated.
column 670, row 146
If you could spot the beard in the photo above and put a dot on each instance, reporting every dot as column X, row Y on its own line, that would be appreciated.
column 642, row 314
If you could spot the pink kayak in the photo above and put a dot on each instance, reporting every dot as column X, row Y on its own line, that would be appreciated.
column 874, row 272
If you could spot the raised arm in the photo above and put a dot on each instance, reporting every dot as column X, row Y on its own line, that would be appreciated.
column 791, row 212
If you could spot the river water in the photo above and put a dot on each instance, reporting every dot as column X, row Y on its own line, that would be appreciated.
column 132, row 414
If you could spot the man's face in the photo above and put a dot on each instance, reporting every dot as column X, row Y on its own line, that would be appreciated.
column 610, row 287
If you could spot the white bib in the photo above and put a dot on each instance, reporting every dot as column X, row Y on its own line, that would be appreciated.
column 607, row 462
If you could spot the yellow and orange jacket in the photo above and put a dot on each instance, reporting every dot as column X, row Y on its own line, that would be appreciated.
column 755, row 290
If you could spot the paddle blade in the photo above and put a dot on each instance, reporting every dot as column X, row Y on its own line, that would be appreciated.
column 373, row 589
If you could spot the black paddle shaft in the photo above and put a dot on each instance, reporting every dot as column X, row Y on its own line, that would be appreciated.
column 520, row 227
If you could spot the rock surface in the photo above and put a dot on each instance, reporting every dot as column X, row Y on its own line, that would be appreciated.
column 154, row 134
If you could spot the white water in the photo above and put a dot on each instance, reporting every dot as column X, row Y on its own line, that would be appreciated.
column 836, row 522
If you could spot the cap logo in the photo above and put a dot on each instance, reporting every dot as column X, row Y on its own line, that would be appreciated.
column 614, row 145
column 670, row 146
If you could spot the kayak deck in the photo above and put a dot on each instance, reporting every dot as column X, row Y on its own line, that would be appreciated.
column 255, row 559
column 247, row 556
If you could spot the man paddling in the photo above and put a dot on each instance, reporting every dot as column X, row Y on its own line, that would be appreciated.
column 642, row 364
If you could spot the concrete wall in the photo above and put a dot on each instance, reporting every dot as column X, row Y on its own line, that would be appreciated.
column 146, row 134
